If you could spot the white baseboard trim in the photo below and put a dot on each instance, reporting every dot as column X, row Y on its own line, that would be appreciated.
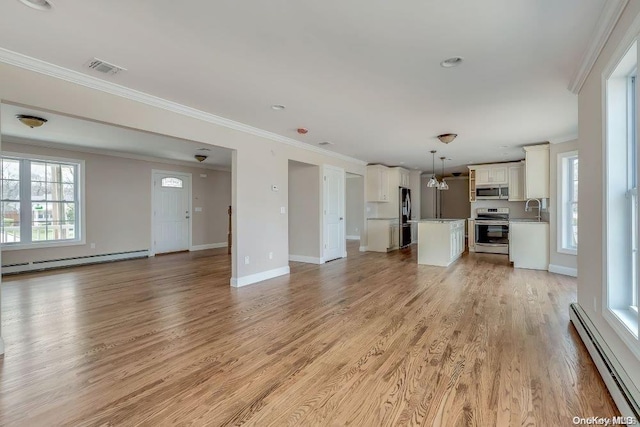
column 1, row 346
column 69, row 262
column 238, row 282
column 364, row 248
column 353, row 237
column 209, row 246
column 559, row 269
column 307, row 259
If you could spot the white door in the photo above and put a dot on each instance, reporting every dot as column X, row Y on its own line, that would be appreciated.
column 334, row 211
column 171, row 212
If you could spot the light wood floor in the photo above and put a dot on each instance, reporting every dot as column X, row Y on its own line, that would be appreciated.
column 371, row 340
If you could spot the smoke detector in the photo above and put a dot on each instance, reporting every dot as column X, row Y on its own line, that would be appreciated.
column 104, row 67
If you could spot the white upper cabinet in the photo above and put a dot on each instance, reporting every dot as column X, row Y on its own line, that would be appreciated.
column 516, row 183
column 537, row 171
column 492, row 175
column 377, row 183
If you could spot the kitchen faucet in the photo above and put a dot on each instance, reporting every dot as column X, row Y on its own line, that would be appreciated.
column 528, row 209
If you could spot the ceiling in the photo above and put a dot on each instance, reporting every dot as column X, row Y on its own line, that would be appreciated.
column 82, row 134
column 362, row 74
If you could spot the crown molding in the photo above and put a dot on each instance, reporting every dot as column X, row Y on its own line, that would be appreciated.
column 562, row 139
column 32, row 64
column 604, row 27
column 104, row 152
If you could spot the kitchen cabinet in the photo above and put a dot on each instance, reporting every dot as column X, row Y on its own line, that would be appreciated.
column 440, row 242
column 471, row 234
column 383, row 234
column 404, row 178
column 378, row 183
column 516, row 183
column 472, row 185
column 492, row 175
column 537, row 171
column 529, row 244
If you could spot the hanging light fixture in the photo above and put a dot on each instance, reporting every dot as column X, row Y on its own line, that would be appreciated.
column 433, row 181
column 443, row 184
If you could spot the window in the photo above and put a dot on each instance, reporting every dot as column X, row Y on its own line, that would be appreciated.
column 170, row 182
column 621, row 200
column 40, row 201
column 568, row 206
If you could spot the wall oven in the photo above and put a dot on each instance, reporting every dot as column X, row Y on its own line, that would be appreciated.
column 492, row 230
column 498, row 193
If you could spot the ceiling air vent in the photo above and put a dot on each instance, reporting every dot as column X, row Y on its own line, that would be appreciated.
column 104, row 67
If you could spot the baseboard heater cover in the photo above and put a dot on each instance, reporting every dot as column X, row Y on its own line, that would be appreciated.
column 622, row 389
column 72, row 261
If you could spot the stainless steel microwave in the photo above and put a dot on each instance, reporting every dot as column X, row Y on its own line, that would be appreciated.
column 492, row 192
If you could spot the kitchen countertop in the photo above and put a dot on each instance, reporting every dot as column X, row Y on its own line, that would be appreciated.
column 528, row 220
column 384, row 219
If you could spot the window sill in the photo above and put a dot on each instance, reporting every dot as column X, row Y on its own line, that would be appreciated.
column 625, row 324
column 47, row 245
column 568, row 251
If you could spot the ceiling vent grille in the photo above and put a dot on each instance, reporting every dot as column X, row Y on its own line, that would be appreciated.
column 104, row 67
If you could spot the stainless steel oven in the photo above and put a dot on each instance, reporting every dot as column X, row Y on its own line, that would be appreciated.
column 492, row 230
column 492, row 192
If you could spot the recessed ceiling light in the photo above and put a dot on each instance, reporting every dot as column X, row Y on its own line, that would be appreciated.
column 37, row 4
column 203, row 149
column 278, row 107
column 325, row 143
column 451, row 62
column 504, row 146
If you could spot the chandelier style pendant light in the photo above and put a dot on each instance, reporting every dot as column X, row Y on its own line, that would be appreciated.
column 433, row 181
column 443, row 184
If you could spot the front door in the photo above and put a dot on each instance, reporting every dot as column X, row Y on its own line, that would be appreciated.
column 333, row 209
column 171, row 212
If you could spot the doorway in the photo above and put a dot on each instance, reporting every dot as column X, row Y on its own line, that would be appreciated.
column 354, row 206
column 334, row 213
column 171, row 213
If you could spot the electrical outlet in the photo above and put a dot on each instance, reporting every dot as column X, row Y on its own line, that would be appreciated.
column 270, row 255
column 275, row 188
column 246, row 259
column 283, row 210
column 93, row 246
column 357, row 230
column 595, row 304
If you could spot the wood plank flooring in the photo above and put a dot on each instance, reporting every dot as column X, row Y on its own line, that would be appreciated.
column 374, row 339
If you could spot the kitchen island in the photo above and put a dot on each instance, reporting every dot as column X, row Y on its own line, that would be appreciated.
column 440, row 241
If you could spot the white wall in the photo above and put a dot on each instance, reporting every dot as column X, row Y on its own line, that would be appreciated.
column 258, row 162
column 590, row 212
column 556, row 258
column 118, row 204
column 304, row 210
column 355, row 205
column 455, row 200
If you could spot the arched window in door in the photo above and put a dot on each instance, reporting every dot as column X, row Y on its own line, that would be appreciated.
column 171, row 182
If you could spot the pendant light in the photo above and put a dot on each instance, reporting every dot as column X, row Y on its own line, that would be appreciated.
column 443, row 185
column 433, row 181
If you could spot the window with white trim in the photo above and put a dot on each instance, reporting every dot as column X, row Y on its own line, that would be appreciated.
column 568, row 206
column 621, row 200
column 40, row 203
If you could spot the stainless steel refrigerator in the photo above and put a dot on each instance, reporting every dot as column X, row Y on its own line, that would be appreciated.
column 405, row 216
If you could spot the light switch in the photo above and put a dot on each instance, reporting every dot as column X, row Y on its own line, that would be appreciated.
column 198, row 209
column 283, row 210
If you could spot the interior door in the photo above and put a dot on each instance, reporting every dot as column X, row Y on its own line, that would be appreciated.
column 171, row 212
column 334, row 212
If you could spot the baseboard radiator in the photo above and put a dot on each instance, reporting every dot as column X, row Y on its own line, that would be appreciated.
column 73, row 261
column 621, row 388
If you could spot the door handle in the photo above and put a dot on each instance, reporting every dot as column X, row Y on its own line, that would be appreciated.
column 341, row 218
column 187, row 217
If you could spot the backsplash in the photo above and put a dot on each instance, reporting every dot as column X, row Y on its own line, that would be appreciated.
column 516, row 209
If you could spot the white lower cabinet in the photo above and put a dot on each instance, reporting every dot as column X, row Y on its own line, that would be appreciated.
column 471, row 234
column 440, row 242
column 529, row 245
column 383, row 235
